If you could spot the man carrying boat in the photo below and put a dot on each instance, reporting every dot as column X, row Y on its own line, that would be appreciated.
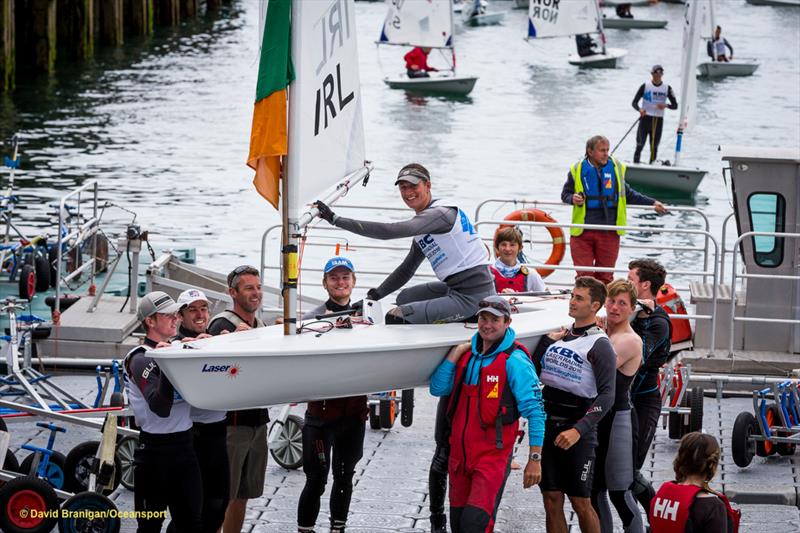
column 491, row 383
column 597, row 190
column 336, row 425
column 417, row 62
column 654, row 95
column 247, row 429
column 166, row 467
column 578, row 372
column 653, row 325
column 209, row 427
column 445, row 236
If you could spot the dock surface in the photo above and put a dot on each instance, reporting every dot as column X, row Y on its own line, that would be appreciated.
column 390, row 491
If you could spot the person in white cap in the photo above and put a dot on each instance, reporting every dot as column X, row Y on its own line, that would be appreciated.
column 654, row 95
column 166, row 467
column 209, row 427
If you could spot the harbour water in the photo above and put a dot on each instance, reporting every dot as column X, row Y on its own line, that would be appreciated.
column 163, row 123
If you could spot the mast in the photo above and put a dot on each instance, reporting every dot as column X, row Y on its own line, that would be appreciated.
column 713, row 27
column 452, row 37
column 688, row 79
column 600, row 25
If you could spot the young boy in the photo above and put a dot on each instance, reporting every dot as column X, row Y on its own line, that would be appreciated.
column 509, row 274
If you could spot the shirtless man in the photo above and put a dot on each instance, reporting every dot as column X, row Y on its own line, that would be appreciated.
column 614, row 464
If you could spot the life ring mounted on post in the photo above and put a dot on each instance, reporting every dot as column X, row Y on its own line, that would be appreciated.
column 556, row 234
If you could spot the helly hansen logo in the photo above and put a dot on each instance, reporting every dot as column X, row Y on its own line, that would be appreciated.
column 492, row 379
column 666, row 509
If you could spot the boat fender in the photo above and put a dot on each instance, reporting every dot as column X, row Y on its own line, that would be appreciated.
column 556, row 235
column 671, row 301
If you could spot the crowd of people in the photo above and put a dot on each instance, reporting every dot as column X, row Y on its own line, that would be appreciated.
column 588, row 392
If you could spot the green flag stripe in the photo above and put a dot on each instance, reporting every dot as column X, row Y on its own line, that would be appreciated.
column 275, row 70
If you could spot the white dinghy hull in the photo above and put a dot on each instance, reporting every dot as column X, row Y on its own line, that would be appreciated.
column 607, row 60
column 633, row 24
column 454, row 85
column 263, row 367
column 721, row 69
column 674, row 180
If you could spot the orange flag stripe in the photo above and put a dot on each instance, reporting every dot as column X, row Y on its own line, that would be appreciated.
column 268, row 142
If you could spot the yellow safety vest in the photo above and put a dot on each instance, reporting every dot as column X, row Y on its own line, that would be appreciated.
column 579, row 211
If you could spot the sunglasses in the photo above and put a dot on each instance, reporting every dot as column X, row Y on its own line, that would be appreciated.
column 494, row 305
column 238, row 271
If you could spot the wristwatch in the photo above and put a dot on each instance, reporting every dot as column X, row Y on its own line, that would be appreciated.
column 535, row 456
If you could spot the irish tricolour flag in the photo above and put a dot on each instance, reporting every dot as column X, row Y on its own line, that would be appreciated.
column 268, row 138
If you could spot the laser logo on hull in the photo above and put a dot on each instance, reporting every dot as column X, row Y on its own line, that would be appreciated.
column 231, row 370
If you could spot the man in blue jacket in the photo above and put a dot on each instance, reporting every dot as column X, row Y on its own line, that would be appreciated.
column 491, row 383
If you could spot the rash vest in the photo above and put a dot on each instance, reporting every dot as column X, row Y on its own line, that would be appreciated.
column 669, row 510
column 138, row 376
column 654, row 94
column 565, row 365
column 455, row 251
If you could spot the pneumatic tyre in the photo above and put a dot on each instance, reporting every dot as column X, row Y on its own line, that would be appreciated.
column 55, row 468
column 407, row 407
column 288, row 449
column 22, row 495
column 85, row 504
column 742, row 448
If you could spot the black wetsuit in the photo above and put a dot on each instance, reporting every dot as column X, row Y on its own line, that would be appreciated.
column 209, row 429
column 165, row 465
column 570, row 471
column 333, row 436
column 650, row 126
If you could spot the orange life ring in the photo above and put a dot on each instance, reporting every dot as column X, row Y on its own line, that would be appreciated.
column 556, row 234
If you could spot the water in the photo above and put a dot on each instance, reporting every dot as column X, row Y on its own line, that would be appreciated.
column 163, row 123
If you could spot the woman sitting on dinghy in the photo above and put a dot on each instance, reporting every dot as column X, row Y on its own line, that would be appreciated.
column 444, row 234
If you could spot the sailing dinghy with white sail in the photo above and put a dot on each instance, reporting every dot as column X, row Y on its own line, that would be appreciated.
column 722, row 69
column 576, row 17
column 676, row 180
column 280, row 364
column 476, row 13
column 429, row 25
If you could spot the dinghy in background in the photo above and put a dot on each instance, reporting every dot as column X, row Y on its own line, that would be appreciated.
column 476, row 13
column 721, row 69
column 424, row 24
column 567, row 19
column 633, row 24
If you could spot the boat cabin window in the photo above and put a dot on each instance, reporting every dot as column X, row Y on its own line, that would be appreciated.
column 767, row 213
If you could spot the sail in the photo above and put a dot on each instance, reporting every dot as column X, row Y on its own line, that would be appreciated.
column 326, row 131
column 415, row 23
column 554, row 18
column 691, row 44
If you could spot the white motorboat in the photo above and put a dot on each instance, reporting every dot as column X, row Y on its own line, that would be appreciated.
column 633, row 24
column 265, row 367
column 673, row 181
column 775, row 3
column 721, row 69
column 453, row 85
column 426, row 25
column 576, row 17
column 608, row 59
column 475, row 13
column 677, row 180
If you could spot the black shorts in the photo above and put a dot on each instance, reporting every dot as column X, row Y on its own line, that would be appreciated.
column 568, row 471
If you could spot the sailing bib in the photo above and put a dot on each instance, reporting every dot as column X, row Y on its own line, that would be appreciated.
column 565, row 365
column 455, row 251
column 654, row 95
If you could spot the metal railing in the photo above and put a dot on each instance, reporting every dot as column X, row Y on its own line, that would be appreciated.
column 734, row 276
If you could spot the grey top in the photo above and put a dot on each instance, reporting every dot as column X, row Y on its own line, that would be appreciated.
column 435, row 220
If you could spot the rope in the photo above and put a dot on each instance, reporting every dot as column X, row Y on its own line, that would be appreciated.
column 635, row 122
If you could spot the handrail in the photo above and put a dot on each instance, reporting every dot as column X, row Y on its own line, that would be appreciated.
column 92, row 185
column 735, row 249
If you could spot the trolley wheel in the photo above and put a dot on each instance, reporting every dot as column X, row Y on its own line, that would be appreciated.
column 104, row 519
column 766, row 448
column 374, row 416
column 407, row 407
column 19, row 497
column 387, row 410
column 126, row 447
column 781, row 448
column 742, row 448
column 117, row 400
column 52, row 259
column 27, row 282
column 42, row 269
column 55, row 468
column 288, row 449
column 696, row 406
column 78, row 467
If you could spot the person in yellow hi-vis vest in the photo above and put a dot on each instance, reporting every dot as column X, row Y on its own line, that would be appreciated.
column 597, row 191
